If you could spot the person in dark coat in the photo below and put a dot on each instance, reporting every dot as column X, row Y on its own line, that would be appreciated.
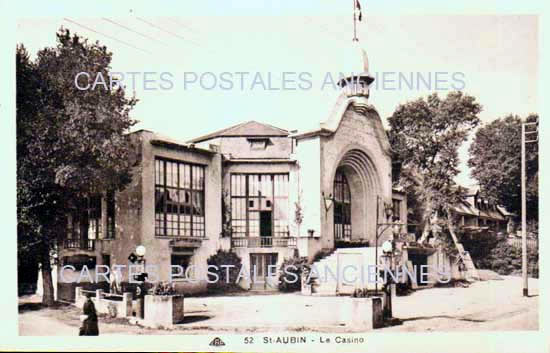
column 89, row 324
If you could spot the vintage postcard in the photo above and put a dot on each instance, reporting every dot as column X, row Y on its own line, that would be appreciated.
column 313, row 176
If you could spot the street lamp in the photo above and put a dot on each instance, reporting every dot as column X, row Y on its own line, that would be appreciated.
column 140, row 251
column 328, row 200
column 388, row 248
column 140, row 293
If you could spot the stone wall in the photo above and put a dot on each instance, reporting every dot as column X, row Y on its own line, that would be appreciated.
column 120, row 306
column 307, row 181
column 239, row 147
column 163, row 311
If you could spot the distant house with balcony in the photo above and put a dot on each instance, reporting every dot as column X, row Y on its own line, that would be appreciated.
column 476, row 214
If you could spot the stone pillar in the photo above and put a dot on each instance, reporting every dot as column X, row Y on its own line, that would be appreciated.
column 127, row 304
column 77, row 294
column 360, row 313
column 79, row 298
column 98, row 294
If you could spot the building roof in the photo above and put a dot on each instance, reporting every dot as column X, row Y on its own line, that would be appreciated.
column 168, row 142
column 246, row 129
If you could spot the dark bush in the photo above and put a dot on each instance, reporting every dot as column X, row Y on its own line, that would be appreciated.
column 321, row 254
column 479, row 245
column 224, row 283
column 290, row 277
column 505, row 259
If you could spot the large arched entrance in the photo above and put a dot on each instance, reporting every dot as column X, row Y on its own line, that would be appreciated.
column 355, row 186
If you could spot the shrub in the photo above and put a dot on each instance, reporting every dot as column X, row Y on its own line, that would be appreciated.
column 505, row 259
column 112, row 310
column 290, row 277
column 164, row 288
column 321, row 254
column 479, row 245
column 224, row 283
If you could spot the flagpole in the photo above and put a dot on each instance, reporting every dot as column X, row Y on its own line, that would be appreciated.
column 354, row 23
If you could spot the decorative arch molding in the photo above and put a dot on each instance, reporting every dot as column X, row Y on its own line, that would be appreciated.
column 359, row 159
column 365, row 183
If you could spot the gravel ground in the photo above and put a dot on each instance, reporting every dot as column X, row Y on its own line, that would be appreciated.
column 483, row 306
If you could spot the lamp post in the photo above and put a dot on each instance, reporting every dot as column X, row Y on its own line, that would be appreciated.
column 388, row 249
column 139, row 256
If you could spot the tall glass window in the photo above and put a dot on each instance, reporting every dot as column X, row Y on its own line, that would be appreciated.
column 111, row 228
column 94, row 217
column 342, row 207
column 259, row 205
column 179, row 199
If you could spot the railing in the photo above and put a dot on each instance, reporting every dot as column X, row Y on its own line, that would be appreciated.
column 263, row 242
column 91, row 293
column 83, row 244
column 516, row 242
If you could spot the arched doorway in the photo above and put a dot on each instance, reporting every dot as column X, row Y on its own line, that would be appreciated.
column 355, row 186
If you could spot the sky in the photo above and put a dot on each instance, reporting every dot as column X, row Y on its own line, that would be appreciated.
column 495, row 58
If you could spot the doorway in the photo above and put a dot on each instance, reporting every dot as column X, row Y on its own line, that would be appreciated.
column 417, row 261
column 259, row 270
column 266, row 231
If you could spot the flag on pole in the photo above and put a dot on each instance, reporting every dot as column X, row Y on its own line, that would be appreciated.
column 358, row 10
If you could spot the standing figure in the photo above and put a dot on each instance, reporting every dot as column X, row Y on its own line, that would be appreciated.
column 114, row 282
column 89, row 319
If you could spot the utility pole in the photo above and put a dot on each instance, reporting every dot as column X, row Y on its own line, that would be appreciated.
column 524, row 141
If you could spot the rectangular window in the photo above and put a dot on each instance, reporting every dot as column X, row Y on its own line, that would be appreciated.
column 110, row 215
column 342, row 207
column 179, row 199
column 258, row 144
column 72, row 227
column 94, row 218
column 180, row 260
column 396, row 210
column 259, row 205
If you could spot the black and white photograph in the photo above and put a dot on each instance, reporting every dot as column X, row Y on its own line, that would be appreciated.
column 310, row 175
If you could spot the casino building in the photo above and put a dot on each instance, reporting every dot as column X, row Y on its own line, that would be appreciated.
column 260, row 191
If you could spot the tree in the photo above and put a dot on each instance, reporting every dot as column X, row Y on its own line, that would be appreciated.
column 495, row 160
column 71, row 144
column 425, row 136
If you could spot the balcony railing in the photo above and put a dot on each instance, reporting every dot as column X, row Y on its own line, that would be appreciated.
column 263, row 242
column 82, row 244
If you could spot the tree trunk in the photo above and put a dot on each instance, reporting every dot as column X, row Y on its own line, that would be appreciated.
column 46, row 268
column 425, row 232
column 451, row 230
column 427, row 222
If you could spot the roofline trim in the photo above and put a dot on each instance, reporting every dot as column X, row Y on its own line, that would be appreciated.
column 179, row 146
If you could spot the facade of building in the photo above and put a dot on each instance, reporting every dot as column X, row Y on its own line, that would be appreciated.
column 260, row 191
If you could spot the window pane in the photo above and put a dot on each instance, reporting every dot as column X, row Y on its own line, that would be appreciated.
column 179, row 211
column 111, row 215
column 342, row 206
column 266, row 192
column 197, row 203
